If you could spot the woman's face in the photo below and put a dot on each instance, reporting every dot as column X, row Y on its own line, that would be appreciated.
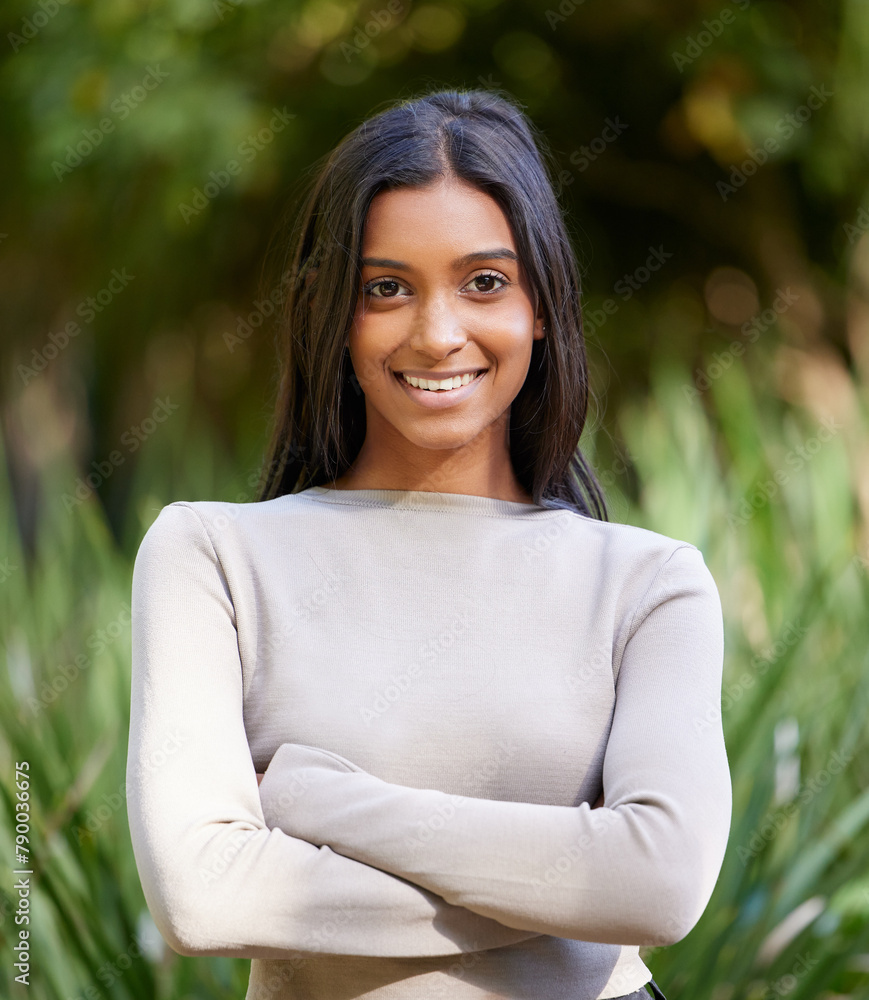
column 442, row 294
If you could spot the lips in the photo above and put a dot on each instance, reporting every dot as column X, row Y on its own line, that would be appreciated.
column 440, row 398
column 465, row 379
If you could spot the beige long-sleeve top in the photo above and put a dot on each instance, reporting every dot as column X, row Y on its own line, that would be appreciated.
column 437, row 686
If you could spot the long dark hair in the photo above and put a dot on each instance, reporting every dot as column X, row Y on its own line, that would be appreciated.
column 486, row 140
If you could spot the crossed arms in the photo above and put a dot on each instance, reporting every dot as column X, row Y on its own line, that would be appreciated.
column 228, row 867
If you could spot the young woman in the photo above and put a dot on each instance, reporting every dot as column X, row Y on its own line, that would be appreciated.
column 421, row 721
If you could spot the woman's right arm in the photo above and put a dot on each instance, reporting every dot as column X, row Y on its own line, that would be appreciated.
column 218, row 881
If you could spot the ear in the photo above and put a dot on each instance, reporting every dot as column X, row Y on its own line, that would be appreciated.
column 539, row 326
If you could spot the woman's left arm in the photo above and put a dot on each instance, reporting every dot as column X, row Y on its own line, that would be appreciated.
column 639, row 871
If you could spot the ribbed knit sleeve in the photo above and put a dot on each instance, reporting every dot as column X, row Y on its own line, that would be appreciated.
column 639, row 870
column 216, row 879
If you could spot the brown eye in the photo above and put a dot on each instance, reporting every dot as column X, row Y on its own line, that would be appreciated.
column 384, row 288
column 486, row 283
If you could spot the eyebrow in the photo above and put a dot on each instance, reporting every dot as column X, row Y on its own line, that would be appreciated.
column 500, row 253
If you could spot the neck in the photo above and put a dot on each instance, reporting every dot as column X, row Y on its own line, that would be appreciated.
column 482, row 467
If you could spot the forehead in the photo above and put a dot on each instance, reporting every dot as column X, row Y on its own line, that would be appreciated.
column 447, row 216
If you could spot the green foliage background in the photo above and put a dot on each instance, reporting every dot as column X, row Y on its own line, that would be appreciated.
column 712, row 381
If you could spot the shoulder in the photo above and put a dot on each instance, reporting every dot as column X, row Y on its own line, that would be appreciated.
column 192, row 516
column 638, row 563
column 621, row 545
column 214, row 525
column 227, row 530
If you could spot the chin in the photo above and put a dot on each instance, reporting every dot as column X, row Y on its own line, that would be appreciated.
column 445, row 439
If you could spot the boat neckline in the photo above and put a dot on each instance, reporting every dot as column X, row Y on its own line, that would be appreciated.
column 423, row 500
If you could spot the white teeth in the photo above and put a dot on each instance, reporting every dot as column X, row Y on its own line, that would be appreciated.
column 447, row 383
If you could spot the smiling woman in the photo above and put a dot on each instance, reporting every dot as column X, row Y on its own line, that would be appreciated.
column 444, row 330
column 431, row 244
column 468, row 765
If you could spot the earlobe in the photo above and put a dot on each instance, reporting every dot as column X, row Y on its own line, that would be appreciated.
column 540, row 328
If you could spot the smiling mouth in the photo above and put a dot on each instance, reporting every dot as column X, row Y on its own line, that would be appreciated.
column 440, row 385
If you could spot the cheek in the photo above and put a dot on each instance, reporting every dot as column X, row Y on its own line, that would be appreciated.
column 511, row 339
column 370, row 347
column 513, row 322
column 369, row 330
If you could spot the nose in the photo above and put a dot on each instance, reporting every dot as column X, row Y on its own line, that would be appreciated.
column 436, row 329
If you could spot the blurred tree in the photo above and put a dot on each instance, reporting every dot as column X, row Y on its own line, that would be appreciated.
column 710, row 156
